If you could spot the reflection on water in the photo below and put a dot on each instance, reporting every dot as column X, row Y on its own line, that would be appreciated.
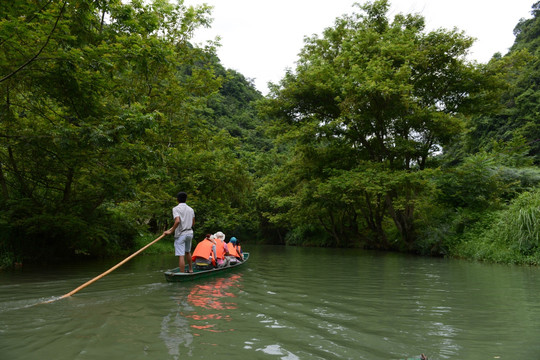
column 286, row 303
column 277, row 350
column 175, row 334
column 206, row 307
column 214, row 294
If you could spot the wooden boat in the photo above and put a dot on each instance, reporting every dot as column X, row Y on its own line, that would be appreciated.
column 174, row 275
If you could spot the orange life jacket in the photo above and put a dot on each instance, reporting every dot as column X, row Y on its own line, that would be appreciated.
column 204, row 250
column 220, row 251
column 232, row 251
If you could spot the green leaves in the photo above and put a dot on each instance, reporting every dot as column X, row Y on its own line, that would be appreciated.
column 111, row 93
column 510, row 235
column 372, row 100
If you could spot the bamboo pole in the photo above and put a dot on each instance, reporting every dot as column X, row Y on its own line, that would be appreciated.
column 110, row 270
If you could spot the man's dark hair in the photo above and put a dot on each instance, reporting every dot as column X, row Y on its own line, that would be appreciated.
column 181, row 197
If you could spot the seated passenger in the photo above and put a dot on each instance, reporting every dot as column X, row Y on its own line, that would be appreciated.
column 204, row 257
column 239, row 248
column 221, row 249
column 235, row 255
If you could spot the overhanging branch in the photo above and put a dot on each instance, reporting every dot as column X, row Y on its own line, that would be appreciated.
column 40, row 50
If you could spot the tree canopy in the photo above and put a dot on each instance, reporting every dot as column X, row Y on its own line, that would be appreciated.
column 103, row 117
column 384, row 135
column 370, row 103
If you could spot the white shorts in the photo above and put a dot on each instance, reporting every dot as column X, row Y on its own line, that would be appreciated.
column 182, row 244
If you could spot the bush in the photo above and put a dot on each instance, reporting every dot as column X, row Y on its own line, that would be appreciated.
column 520, row 227
column 306, row 235
column 163, row 246
column 474, row 184
column 442, row 229
column 30, row 233
column 511, row 235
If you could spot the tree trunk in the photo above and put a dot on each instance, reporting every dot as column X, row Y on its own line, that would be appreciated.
column 22, row 183
column 404, row 221
column 331, row 230
column 67, row 187
column 374, row 214
column 5, row 192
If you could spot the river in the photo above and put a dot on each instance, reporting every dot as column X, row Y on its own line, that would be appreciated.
column 285, row 303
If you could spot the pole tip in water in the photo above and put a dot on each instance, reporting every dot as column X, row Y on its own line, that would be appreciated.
column 53, row 299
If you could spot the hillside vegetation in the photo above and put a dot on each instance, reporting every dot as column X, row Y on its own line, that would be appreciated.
column 384, row 136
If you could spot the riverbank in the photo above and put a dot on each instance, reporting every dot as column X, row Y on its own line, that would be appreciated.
column 507, row 236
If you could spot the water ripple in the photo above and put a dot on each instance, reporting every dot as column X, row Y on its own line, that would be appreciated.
column 287, row 303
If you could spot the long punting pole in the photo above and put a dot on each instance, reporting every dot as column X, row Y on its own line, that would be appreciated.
column 110, row 270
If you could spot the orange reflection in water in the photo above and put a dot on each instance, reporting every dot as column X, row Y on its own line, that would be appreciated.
column 214, row 295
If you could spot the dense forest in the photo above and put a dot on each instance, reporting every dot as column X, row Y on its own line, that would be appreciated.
column 384, row 136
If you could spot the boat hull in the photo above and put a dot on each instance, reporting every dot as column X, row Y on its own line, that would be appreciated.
column 174, row 275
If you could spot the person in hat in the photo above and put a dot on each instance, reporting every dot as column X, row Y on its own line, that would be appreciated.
column 222, row 251
column 234, row 250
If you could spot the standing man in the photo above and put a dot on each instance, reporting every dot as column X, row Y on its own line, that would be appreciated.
column 184, row 219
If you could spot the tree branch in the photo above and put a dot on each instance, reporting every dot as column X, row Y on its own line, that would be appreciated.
column 40, row 50
column 31, row 18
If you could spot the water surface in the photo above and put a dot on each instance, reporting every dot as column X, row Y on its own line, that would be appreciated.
column 285, row 303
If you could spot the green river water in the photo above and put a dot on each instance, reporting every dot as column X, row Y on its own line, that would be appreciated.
column 285, row 303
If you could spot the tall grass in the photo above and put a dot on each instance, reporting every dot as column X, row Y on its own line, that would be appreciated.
column 526, row 228
column 519, row 225
column 511, row 235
